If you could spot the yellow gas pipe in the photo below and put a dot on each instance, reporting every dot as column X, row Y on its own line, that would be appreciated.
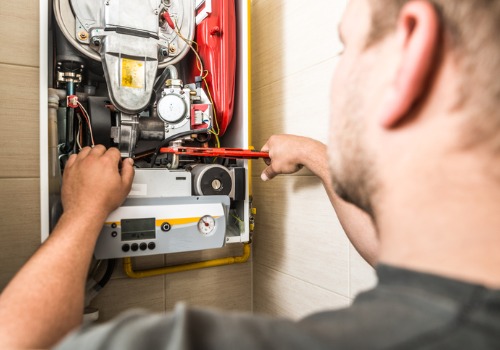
column 129, row 271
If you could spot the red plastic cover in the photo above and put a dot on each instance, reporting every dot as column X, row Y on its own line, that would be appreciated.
column 216, row 38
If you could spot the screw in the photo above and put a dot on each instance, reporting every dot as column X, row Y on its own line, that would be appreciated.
column 96, row 41
column 171, row 48
column 83, row 35
column 156, row 12
column 215, row 31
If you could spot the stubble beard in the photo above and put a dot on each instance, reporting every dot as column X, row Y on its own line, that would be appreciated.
column 351, row 165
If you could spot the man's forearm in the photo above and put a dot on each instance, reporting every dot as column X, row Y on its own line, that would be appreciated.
column 45, row 299
column 357, row 225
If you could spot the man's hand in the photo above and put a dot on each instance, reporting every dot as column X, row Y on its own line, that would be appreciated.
column 288, row 154
column 38, row 308
column 93, row 183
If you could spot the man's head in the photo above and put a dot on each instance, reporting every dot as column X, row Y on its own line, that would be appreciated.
column 416, row 86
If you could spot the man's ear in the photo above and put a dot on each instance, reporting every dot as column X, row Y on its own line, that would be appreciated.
column 417, row 36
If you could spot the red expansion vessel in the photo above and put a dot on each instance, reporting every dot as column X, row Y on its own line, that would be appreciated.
column 216, row 38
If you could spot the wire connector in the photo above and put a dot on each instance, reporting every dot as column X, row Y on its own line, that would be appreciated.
column 72, row 101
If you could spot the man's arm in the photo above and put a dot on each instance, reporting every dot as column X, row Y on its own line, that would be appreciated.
column 45, row 300
column 288, row 153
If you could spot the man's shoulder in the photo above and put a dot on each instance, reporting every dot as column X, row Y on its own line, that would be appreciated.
column 414, row 310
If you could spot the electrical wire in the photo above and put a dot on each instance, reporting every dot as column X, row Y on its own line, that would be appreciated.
column 87, row 119
column 193, row 45
column 236, row 217
column 81, row 110
column 78, row 134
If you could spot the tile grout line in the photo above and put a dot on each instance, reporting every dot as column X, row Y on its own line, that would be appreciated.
column 19, row 65
column 300, row 279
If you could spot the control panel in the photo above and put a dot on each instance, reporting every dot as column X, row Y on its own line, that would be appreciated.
column 146, row 226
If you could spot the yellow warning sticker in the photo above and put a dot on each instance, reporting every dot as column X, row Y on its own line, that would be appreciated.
column 132, row 73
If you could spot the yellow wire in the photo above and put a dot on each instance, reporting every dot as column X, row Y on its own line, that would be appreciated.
column 236, row 217
column 212, row 102
column 203, row 73
column 217, row 141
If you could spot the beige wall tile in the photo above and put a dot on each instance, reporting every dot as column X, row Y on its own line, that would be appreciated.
column 290, row 36
column 361, row 275
column 298, row 104
column 224, row 287
column 19, row 117
column 19, row 27
column 20, row 228
column 297, row 232
column 281, row 295
column 123, row 294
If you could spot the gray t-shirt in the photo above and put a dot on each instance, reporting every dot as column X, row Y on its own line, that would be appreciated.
column 407, row 310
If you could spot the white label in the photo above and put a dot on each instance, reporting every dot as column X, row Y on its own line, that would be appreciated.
column 138, row 190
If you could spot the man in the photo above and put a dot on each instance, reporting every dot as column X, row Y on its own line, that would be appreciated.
column 408, row 144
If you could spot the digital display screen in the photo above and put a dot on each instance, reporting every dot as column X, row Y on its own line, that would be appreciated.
column 133, row 229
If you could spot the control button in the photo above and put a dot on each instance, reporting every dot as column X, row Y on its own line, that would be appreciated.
column 165, row 227
column 151, row 245
column 113, row 225
column 143, row 246
column 134, row 247
column 125, row 248
column 114, row 234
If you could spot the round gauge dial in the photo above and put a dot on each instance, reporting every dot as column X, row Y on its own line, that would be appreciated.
column 206, row 225
column 171, row 108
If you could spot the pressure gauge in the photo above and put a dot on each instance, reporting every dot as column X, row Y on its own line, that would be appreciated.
column 206, row 225
column 172, row 108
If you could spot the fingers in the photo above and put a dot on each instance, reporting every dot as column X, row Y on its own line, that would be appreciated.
column 71, row 160
column 85, row 151
column 268, row 174
column 113, row 154
column 98, row 150
column 127, row 173
column 265, row 148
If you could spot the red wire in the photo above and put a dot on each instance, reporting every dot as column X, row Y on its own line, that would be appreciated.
column 168, row 19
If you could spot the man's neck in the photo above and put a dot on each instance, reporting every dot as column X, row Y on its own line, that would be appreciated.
column 454, row 231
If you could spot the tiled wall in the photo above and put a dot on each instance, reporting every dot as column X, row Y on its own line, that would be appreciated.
column 223, row 287
column 303, row 261
column 19, row 164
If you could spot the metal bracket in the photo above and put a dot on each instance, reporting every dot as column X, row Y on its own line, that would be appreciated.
column 205, row 12
column 128, row 133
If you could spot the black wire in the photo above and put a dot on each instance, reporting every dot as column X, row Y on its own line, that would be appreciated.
column 171, row 138
column 107, row 274
column 159, row 83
